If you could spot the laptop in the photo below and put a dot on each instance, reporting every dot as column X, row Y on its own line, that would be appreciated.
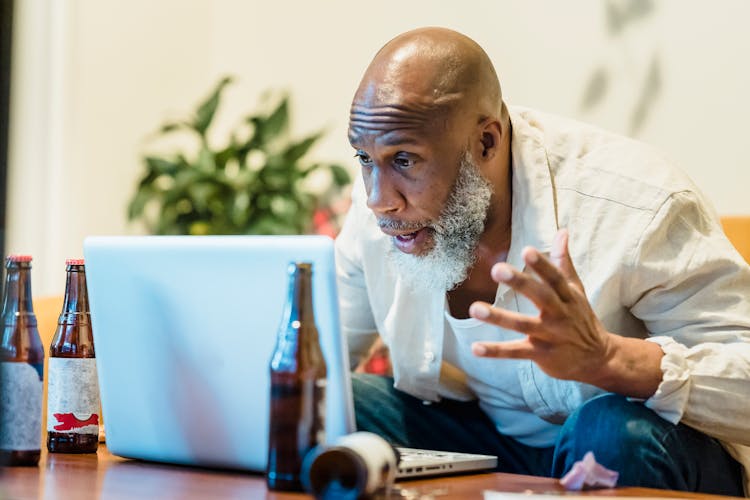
column 184, row 328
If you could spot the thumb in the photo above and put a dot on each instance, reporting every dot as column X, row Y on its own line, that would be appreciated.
column 560, row 256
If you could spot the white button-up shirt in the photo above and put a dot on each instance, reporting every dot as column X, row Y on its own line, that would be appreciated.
column 653, row 259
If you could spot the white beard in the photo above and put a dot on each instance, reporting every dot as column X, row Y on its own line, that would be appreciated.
column 455, row 235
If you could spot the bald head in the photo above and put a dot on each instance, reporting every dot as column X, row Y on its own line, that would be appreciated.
column 430, row 72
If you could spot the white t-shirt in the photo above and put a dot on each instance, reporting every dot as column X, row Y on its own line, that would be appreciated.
column 494, row 383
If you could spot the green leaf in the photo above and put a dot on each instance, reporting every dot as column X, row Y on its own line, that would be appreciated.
column 139, row 201
column 207, row 109
column 340, row 175
column 284, row 207
column 161, row 166
column 182, row 182
column 222, row 157
column 166, row 224
column 147, row 180
column 268, row 128
column 173, row 126
column 297, row 150
column 206, row 161
column 201, row 194
column 277, row 180
column 278, row 121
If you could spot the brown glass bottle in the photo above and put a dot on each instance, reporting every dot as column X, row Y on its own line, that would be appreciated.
column 73, row 390
column 298, row 380
column 22, row 365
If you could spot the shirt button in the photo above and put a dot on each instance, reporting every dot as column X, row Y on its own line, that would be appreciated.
column 429, row 356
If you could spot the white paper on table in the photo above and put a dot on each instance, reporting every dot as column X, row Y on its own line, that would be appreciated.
column 501, row 495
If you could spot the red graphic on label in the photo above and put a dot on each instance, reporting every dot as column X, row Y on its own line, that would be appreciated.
column 68, row 421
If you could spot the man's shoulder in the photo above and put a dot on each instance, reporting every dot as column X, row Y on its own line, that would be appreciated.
column 555, row 123
column 588, row 161
column 568, row 139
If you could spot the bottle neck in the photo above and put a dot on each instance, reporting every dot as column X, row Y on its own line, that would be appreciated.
column 299, row 300
column 76, row 302
column 17, row 294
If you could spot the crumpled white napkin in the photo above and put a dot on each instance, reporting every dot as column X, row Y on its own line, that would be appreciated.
column 587, row 473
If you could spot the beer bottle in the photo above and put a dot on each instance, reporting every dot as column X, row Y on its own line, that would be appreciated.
column 22, row 366
column 298, row 380
column 73, row 390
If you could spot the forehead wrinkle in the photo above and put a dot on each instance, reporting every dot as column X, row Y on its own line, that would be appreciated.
column 360, row 128
column 418, row 114
column 384, row 119
column 386, row 136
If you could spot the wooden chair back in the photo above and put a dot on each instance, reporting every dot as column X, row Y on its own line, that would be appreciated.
column 737, row 229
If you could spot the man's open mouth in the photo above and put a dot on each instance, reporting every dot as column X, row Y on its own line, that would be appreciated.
column 415, row 242
column 408, row 236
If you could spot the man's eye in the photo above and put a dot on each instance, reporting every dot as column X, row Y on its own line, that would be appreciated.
column 363, row 158
column 403, row 163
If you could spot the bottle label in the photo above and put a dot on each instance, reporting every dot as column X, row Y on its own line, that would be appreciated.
column 20, row 406
column 73, row 396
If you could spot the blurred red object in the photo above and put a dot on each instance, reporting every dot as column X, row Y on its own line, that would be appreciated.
column 327, row 220
column 377, row 361
column 323, row 223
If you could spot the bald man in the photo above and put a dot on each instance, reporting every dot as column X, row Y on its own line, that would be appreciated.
column 545, row 288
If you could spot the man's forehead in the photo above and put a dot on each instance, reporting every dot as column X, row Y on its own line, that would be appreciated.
column 390, row 126
column 380, row 111
column 363, row 137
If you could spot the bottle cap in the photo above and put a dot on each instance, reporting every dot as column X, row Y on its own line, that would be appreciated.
column 74, row 262
column 19, row 258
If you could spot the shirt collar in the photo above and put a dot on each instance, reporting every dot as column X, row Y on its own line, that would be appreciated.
column 534, row 219
column 534, row 205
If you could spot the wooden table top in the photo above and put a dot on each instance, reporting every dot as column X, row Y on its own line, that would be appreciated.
column 106, row 476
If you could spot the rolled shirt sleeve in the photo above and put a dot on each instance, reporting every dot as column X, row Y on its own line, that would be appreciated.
column 690, row 288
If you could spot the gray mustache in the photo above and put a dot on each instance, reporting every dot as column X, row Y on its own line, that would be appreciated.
column 398, row 225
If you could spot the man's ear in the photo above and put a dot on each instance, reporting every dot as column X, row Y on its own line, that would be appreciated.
column 488, row 142
column 491, row 134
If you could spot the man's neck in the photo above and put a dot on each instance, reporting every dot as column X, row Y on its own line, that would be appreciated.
column 492, row 247
column 478, row 285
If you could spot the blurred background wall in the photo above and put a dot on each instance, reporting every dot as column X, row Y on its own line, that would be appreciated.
column 91, row 79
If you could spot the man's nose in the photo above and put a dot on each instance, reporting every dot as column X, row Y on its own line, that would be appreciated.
column 383, row 196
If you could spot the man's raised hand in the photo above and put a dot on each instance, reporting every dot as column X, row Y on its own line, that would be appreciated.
column 566, row 339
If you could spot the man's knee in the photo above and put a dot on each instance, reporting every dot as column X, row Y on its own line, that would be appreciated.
column 615, row 422
column 366, row 386
column 378, row 406
column 624, row 436
column 645, row 449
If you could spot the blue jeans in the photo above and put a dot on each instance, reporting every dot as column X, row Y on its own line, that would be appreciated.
column 626, row 437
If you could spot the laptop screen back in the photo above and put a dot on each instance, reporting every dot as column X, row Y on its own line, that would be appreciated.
column 184, row 328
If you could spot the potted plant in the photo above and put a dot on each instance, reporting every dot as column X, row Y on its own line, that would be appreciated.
column 255, row 183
